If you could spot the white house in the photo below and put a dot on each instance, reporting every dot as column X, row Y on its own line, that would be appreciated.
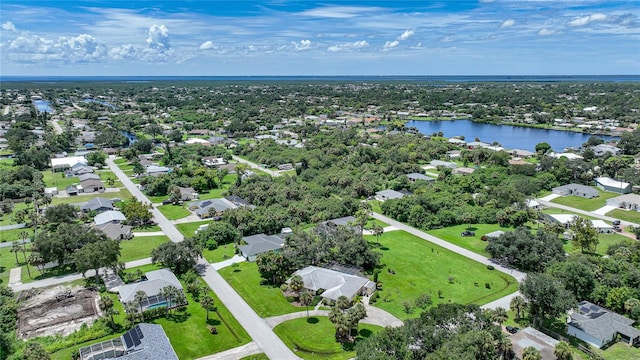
column 612, row 185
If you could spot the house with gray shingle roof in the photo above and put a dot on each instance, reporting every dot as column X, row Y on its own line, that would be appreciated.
column 385, row 195
column 211, row 207
column 599, row 326
column 413, row 177
column 116, row 231
column 97, row 204
column 260, row 243
column 584, row 191
column 152, row 287
column 109, row 216
column 143, row 342
column 334, row 283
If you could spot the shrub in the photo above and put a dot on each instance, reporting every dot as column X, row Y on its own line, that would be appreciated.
column 291, row 299
column 487, row 285
column 284, row 287
column 490, row 267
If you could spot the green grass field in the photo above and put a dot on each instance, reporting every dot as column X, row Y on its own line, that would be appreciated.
column 314, row 338
column 422, row 267
column 14, row 234
column 188, row 229
column 105, row 175
column 174, row 212
column 619, row 351
column 139, row 247
column 627, row 215
column 7, row 261
column 223, row 252
column 260, row 356
column 58, row 180
column 604, row 241
column 265, row 300
column 7, row 219
column 472, row 243
column 585, row 204
column 562, row 211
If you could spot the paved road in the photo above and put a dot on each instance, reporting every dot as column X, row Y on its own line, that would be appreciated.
column 166, row 225
column 12, row 227
column 56, row 127
column 257, row 328
column 235, row 353
column 10, row 243
column 588, row 213
column 256, row 166
column 503, row 302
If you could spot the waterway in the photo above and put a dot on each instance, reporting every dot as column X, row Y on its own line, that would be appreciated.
column 510, row 137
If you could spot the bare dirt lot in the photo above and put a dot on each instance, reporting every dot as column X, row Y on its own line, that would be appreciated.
column 58, row 310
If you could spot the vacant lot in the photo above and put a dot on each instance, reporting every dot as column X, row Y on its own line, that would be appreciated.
column 58, row 180
column 174, row 212
column 140, row 247
column 585, row 204
column 412, row 266
column 471, row 243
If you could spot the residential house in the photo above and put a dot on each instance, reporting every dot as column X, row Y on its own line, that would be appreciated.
column 199, row 132
column 584, row 191
column 113, row 216
column 334, row 283
column 199, row 141
column 413, row 177
column 97, row 204
column 330, row 226
column 238, row 201
column 602, row 227
column 385, row 195
column 142, row 342
column 523, row 154
column 564, row 219
column 463, row 171
column 188, row 193
column 110, row 151
column 77, row 170
column 612, row 185
column 155, row 170
column 600, row 150
column 534, row 205
column 211, row 208
column 447, row 164
column 260, row 243
column 599, row 326
column 71, row 190
column 152, row 287
column 63, row 163
column 457, row 142
column 217, row 140
column 89, row 176
column 213, row 161
column 453, row 154
column 474, row 144
column 568, row 156
column 529, row 336
column 115, row 231
column 91, row 186
column 627, row 201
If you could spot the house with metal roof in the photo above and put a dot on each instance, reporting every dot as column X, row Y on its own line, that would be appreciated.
column 599, row 326
column 613, row 185
column 580, row 190
column 334, row 283
column 109, row 216
column 447, row 164
column 260, row 243
column 142, row 342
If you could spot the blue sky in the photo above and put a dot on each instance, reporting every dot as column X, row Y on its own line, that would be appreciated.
column 284, row 37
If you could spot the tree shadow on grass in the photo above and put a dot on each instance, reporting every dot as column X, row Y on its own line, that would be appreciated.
column 214, row 322
column 365, row 333
column 178, row 317
column 313, row 320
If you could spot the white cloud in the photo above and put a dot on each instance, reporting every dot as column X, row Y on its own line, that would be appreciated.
column 339, row 12
column 9, row 26
column 82, row 48
column 207, row 45
column 348, row 46
column 406, row 34
column 158, row 37
column 508, row 23
column 546, row 32
column 585, row 20
column 123, row 52
column 302, row 45
column 391, row 44
column 447, row 38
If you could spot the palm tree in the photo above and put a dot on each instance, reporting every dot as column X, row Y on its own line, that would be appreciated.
column 504, row 347
column 335, row 314
column 378, row 231
column 342, row 328
column 296, row 283
column 343, row 303
column 15, row 247
column 499, row 315
column 563, row 351
column 169, row 293
column 137, row 299
column 531, row 353
column 355, row 314
column 106, row 305
column 305, row 300
column 207, row 303
column 518, row 304
column 24, row 236
column 131, row 308
column 631, row 304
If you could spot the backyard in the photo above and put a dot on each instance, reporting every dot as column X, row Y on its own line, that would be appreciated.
column 58, row 180
column 314, row 338
column 458, row 279
column 264, row 299
column 139, row 247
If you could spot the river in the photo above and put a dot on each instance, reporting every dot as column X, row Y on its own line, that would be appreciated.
column 510, row 137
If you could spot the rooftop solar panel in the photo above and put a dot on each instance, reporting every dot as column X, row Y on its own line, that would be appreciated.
column 127, row 339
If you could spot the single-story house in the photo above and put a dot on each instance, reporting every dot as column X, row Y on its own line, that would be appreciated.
column 88, row 176
column 213, row 161
column 155, row 170
column 447, row 164
column 51, row 191
column 523, row 154
column 612, row 185
column 92, row 185
column 200, row 132
column 334, row 283
column 463, row 171
column 211, row 208
column 144, row 341
column 474, row 144
column 115, row 231
column 97, row 204
column 413, row 177
column 494, row 234
column 568, row 156
column 584, row 191
column 152, row 287
column 330, row 226
column 457, row 142
column 109, row 216
column 260, row 243
column 529, row 336
column 533, row 204
column 188, row 193
column 519, row 162
column 598, row 326
column 62, row 163
column 385, row 195
column 627, row 201
column 602, row 227
column 110, row 151
column 564, row 219
column 453, row 154
column 77, row 170
column 193, row 141
column 71, row 190
column 602, row 149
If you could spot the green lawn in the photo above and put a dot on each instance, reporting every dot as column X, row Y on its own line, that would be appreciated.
column 619, row 351
column 58, row 180
column 373, row 222
column 605, row 240
column 146, row 228
column 174, row 212
column 471, row 243
column 260, row 356
column 105, row 175
column 188, row 229
column 314, row 338
column 585, row 204
column 7, row 261
column 14, row 234
column 223, row 252
column 562, row 211
column 122, row 194
column 157, row 199
column 627, row 215
column 265, row 300
column 376, row 206
column 422, row 267
column 140, row 247
column 7, row 219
